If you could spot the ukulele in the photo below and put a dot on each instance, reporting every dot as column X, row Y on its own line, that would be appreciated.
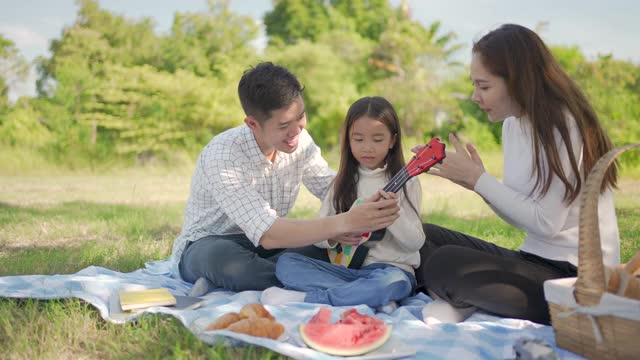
column 433, row 153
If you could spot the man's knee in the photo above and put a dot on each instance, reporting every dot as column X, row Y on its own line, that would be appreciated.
column 217, row 256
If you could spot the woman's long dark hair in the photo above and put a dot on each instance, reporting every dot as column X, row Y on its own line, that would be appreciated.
column 346, row 181
column 545, row 92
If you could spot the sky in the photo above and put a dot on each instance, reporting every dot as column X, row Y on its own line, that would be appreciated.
column 596, row 26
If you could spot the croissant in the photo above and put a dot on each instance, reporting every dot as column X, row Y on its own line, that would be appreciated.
column 624, row 280
column 612, row 277
column 255, row 310
column 224, row 321
column 260, row 327
column 632, row 290
column 253, row 319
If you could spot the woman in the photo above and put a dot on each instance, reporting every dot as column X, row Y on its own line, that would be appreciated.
column 551, row 139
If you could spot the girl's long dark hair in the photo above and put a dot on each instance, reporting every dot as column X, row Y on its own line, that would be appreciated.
column 346, row 181
column 544, row 92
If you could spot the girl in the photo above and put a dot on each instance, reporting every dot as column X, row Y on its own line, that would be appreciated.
column 371, row 156
column 551, row 138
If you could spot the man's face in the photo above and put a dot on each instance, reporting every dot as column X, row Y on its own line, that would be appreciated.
column 281, row 131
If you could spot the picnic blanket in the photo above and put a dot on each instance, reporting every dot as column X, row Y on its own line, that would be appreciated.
column 482, row 336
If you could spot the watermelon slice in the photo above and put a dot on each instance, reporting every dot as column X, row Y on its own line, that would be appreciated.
column 354, row 334
column 322, row 317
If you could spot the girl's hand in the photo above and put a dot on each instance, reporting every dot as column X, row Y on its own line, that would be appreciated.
column 347, row 239
column 381, row 194
column 463, row 167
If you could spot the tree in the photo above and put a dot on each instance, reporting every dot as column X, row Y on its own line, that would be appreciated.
column 133, row 41
column 329, row 86
column 145, row 111
column 13, row 69
column 207, row 43
column 23, row 127
column 370, row 18
column 412, row 64
column 293, row 20
column 613, row 88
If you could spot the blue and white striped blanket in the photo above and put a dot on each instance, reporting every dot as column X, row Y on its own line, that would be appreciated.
column 480, row 337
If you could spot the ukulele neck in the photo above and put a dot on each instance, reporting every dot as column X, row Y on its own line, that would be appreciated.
column 397, row 182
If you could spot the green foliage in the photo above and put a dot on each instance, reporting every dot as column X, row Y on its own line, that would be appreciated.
column 613, row 88
column 132, row 42
column 13, row 68
column 369, row 18
column 291, row 21
column 23, row 127
column 353, row 50
column 206, row 43
column 115, row 91
column 113, row 88
column 417, row 61
column 141, row 110
column 294, row 20
column 328, row 92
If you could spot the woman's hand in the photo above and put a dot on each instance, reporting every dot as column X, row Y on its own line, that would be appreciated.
column 463, row 167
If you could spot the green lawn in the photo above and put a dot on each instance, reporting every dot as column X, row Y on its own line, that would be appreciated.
column 61, row 224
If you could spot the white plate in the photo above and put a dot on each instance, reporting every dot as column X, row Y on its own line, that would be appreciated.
column 392, row 349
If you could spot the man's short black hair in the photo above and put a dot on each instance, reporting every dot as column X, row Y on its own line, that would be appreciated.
column 265, row 88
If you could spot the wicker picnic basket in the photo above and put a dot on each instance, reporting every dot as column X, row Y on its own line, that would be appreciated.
column 587, row 320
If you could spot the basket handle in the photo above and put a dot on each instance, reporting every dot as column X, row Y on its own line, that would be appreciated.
column 591, row 280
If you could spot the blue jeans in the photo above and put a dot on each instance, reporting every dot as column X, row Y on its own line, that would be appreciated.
column 325, row 283
column 234, row 263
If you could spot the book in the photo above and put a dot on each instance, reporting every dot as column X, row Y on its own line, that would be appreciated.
column 140, row 299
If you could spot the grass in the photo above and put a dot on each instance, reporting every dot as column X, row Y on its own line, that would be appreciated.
column 64, row 223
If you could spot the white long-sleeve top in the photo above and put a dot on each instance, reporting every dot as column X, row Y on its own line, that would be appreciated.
column 403, row 239
column 551, row 224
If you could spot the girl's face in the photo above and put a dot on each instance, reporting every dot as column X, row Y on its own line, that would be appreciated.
column 490, row 92
column 370, row 141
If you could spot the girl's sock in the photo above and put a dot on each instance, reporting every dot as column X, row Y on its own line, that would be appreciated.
column 388, row 308
column 276, row 296
column 440, row 311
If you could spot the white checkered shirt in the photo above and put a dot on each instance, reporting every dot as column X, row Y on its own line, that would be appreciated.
column 235, row 189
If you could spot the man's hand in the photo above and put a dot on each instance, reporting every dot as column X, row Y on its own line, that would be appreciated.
column 377, row 212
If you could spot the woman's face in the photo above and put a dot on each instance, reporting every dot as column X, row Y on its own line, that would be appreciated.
column 490, row 92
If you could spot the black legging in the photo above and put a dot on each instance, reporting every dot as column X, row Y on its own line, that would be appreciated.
column 467, row 271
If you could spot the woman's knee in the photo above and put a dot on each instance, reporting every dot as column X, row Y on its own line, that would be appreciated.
column 446, row 256
column 444, row 265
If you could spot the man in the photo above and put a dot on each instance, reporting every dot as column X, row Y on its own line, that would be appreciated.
column 245, row 182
